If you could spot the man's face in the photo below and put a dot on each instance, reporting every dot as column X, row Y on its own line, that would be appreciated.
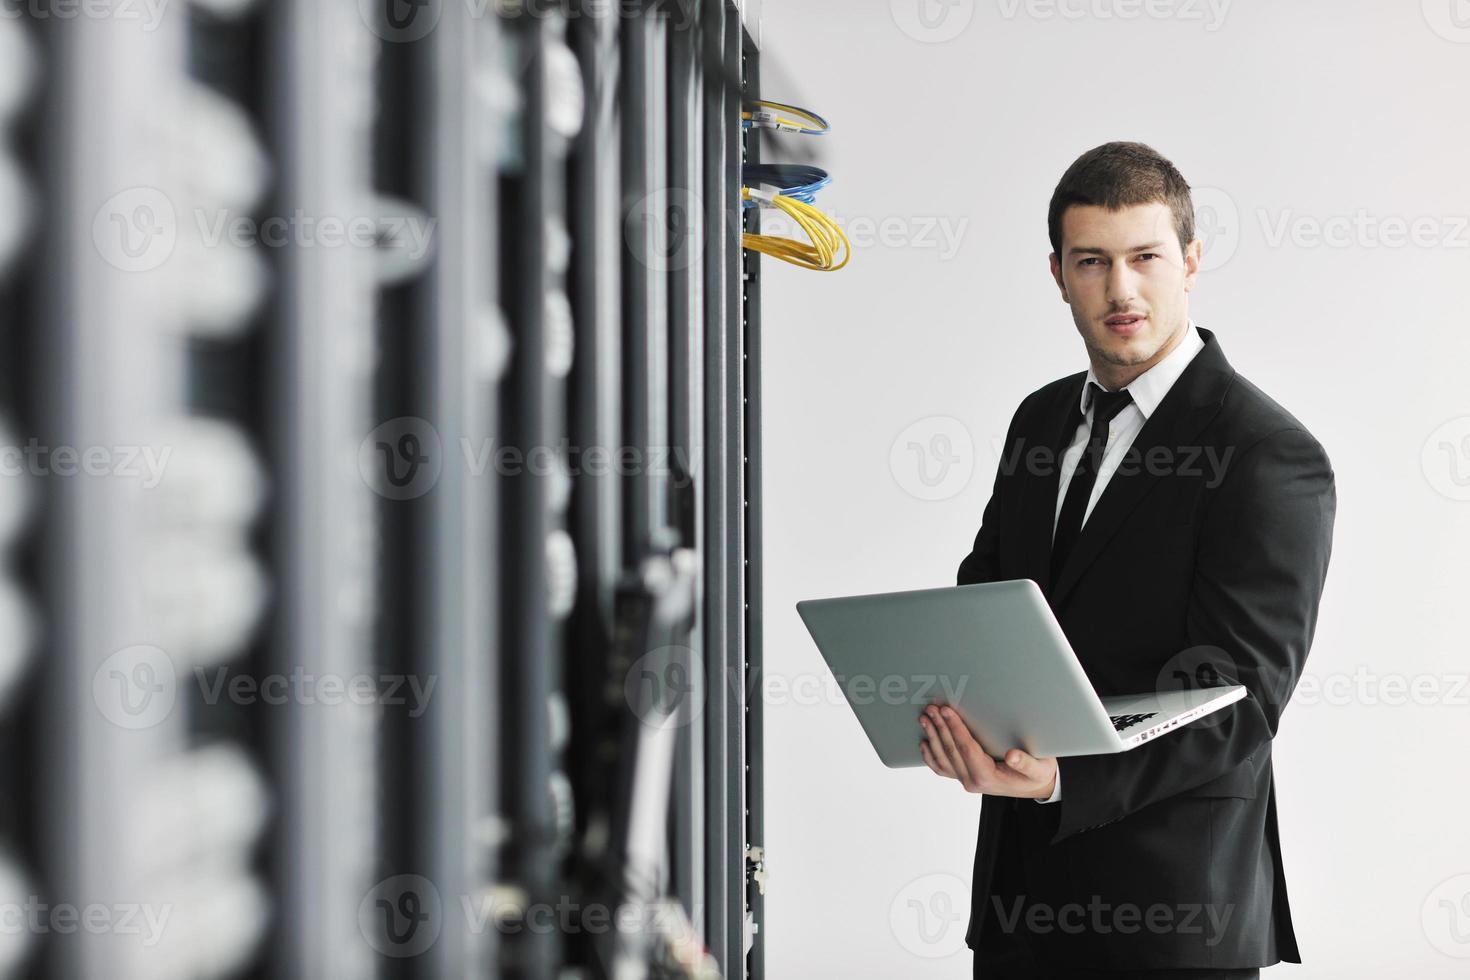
column 1123, row 274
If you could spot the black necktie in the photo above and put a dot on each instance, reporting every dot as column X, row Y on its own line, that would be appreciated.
column 1105, row 407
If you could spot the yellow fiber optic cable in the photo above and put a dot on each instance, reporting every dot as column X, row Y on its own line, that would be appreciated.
column 827, row 239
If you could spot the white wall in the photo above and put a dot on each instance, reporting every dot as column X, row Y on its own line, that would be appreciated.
column 1301, row 112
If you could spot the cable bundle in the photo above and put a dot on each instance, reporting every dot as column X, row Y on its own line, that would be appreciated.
column 768, row 115
column 795, row 188
column 797, row 180
column 826, row 237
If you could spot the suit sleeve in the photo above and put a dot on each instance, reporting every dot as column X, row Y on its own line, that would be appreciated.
column 982, row 564
column 1261, row 563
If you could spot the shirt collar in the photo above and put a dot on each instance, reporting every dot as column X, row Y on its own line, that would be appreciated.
column 1150, row 387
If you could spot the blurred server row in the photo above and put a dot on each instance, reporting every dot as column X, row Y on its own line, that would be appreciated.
column 379, row 468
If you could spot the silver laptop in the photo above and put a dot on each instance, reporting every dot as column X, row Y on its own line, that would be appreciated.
column 996, row 654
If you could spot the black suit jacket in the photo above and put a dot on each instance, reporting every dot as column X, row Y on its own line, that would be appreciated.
column 1203, row 561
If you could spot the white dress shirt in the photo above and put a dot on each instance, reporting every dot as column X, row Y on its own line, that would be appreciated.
column 1148, row 389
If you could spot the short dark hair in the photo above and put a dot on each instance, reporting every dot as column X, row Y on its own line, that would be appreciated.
column 1120, row 175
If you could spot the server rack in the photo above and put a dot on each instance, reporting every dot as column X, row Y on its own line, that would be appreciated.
column 322, row 362
column 339, row 503
column 753, row 723
column 686, row 242
column 151, row 798
column 24, row 867
column 468, row 357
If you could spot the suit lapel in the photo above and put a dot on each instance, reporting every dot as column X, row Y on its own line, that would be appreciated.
column 1040, row 507
column 1190, row 403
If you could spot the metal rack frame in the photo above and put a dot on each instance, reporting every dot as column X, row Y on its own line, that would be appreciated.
column 487, row 796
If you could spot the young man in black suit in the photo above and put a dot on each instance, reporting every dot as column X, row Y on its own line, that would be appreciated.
column 1179, row 522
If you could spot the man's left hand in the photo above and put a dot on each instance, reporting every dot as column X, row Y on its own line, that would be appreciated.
column 950, row 750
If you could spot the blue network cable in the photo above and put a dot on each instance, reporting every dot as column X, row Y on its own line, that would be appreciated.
column 778, row 115
column 795, row 180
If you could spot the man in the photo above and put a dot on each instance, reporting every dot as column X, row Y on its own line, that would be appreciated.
column 1179, row 522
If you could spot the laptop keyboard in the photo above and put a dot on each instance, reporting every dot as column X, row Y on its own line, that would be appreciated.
column 1123, row 722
